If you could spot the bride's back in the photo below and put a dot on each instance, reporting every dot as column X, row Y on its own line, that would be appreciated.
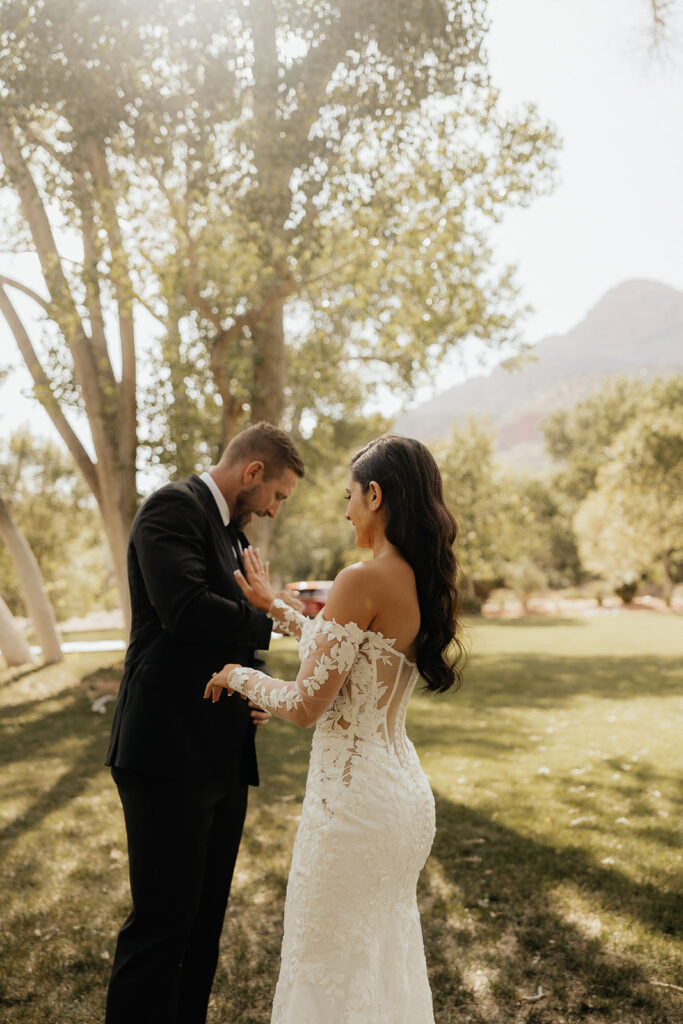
column 379, row 595
column 370, row 708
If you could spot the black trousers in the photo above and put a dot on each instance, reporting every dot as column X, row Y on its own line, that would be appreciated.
column 183, row 839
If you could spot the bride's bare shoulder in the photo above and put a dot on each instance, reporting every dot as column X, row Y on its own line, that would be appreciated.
column 351, row 598
column 364, row 589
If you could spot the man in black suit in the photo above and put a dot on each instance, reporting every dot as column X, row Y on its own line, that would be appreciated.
column 182, row 765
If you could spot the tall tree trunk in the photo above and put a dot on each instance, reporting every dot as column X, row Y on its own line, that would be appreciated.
column 269, row 344
column 117, row 527
column 110, row 406
column 12, row 643
column 668, row 582
column 32, row 587
column 267, row 403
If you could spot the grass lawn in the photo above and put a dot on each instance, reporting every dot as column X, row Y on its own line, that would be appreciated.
column 556, row 770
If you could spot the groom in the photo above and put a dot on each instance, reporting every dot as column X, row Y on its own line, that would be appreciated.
column 181, row 765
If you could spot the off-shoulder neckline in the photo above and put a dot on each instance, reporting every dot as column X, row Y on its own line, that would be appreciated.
column 389, row 641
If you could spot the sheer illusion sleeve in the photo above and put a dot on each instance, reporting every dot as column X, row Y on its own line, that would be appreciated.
column 286, row 619
column 329, row 657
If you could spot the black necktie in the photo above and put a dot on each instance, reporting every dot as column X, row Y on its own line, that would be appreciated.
column 236, row 543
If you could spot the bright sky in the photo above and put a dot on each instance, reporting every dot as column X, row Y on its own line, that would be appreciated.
column 617, row 212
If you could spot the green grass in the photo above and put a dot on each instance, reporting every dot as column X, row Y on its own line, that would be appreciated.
column 556, row 771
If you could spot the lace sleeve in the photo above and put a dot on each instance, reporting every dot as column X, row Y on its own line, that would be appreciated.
column 286, row 618
column 330, row 656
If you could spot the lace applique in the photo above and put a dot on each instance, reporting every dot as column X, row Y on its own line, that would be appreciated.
column 329, row 656
column 286, row 618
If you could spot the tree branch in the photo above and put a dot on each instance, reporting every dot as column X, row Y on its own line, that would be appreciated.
column 11, row 283
column 49, row 402
column 273, row 174
column 91, row 280
column 62, row 306
column 302, row 286
column 667, row 984
column 317, row 66
column 124, row 293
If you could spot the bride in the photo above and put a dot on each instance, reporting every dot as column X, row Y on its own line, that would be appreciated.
column 352, row 951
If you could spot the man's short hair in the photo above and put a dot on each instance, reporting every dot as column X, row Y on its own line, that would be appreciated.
column 267, row 444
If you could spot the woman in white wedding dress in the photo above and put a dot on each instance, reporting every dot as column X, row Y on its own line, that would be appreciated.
column 352, row 951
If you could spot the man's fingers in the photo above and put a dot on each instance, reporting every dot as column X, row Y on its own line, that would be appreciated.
column 258, row 715
column 242, row 583
column 252, row 559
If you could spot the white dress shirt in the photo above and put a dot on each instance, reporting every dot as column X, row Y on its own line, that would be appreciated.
column 218, row 497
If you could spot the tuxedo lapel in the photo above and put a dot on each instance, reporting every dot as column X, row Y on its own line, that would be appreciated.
column 206, row 500
column 229, row 539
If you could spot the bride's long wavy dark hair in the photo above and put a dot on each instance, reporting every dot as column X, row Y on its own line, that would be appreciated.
column 422, row 528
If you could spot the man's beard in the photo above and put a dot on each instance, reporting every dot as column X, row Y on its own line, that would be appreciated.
column 246, row 503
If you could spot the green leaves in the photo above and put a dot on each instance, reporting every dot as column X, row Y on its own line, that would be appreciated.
column 621, row 452
column 302, row 192
column 632, row 523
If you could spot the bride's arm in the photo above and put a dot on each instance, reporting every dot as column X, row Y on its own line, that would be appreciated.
column 324, row 670
column 333, row 650
column 286, row 619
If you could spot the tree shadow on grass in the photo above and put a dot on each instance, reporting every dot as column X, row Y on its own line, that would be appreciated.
column 548, row 681
column 513, row 925
column 37, row 739
column 638, row 796
column 13, row 675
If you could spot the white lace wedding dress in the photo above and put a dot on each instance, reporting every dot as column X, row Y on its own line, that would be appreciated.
column 352, row 951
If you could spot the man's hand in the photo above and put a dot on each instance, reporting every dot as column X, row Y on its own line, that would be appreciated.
column 256, row 584
column 258, row 715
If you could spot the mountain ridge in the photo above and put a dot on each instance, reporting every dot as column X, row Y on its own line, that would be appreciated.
column 635, row 329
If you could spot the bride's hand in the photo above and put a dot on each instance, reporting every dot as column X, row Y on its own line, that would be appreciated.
column 290, row 597
column 256, row 585
column 219, row 682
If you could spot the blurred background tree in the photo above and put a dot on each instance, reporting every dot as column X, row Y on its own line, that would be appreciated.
column 514, row 530
column 631, row 525
column 32, row 586
column 621, row 465
column 579, row 439
column 53, row 508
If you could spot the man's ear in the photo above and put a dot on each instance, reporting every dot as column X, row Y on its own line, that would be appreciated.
column 253, row 473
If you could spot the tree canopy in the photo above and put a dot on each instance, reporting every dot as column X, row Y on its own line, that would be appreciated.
column 633, row 521
column 293, row 198
column 299, row 191
column 580, row 439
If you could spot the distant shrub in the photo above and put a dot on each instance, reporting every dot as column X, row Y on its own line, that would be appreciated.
column 627, row 591
column 471, row 604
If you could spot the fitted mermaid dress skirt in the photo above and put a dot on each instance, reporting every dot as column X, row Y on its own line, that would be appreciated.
column 353, row 951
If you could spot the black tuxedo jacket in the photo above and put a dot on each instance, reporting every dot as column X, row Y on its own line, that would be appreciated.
column 189, row 618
